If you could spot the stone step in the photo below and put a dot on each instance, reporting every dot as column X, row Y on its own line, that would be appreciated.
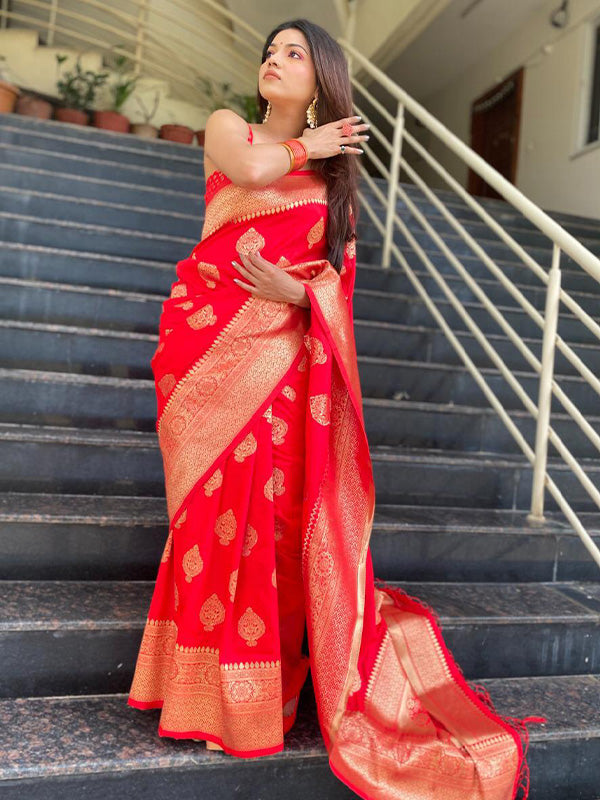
column 108, row 537
column 70, row 765
column 114, row 212
column 101, row 145
column 64, row 303
column 81, row 637
column 48, row 135
column 127, row 354
column 99, row 270
column 60, row 459
column 405, row 403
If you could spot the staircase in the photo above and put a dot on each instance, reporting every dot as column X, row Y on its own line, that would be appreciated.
column 91, row 226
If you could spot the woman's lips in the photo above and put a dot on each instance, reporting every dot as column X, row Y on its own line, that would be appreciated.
column 271, row 75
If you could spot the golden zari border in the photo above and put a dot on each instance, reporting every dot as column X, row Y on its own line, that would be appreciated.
column 198, row 694
column 220, row 395
column 232, row 204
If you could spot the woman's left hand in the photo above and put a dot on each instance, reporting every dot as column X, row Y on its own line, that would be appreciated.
column 267, row 279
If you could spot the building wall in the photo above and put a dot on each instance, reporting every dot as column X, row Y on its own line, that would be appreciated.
column 553, row 168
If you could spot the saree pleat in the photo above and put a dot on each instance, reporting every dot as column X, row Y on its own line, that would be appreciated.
column 271, row 498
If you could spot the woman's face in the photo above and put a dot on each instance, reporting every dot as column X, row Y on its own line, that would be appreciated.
column 288, row 56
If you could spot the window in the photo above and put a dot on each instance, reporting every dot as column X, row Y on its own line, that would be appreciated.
column 593, row 132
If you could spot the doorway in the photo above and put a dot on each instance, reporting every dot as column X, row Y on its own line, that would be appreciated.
column 495, row 124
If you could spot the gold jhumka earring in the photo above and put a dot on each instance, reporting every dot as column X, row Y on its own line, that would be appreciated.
column 311, row 114
column 268, row 111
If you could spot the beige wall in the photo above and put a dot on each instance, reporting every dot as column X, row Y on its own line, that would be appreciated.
column 554, row 170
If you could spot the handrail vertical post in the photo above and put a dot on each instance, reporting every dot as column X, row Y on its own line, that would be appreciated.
column 392, row 186
column 51, row 23
column 545, row 389
column 140, row 35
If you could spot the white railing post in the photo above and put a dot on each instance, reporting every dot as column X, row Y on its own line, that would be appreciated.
column 545, row 389
column 392, row 186
column 51, row 23
column 139, row 38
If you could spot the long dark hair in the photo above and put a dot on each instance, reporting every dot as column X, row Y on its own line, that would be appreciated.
column 334, row 102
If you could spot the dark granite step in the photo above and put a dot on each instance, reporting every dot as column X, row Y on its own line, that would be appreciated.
column 99, row 144
column 28, row 344
column 79, row 637
column 45, row 301
column 108, row 537
column 62, row 459
column 445, row 400
column 122, row 754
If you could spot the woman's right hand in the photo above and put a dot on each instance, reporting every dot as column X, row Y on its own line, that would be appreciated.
column 325, row 140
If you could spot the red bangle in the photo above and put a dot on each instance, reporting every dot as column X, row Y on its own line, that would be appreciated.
column 298, row 151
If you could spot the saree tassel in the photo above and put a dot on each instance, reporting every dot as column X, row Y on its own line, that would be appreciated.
column 477, row 692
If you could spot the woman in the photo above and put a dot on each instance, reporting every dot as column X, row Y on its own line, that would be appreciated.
column 269, row 481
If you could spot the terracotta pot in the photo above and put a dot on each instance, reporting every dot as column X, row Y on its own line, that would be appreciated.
column 111, row 121
column 200, row 138
column 8, row 96
column 144, row 130
column 73, row 115
column 31, row 106
column 177, row 133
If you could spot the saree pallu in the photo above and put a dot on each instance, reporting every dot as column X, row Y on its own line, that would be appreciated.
column 270, row 499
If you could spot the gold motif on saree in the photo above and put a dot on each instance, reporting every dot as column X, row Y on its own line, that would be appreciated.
column 167, row 331
column 250, row 539
column 209, row 272
column 226, row 526
column 245, row 448
column 275, row 484
column 320, row 408
column 289, row 707
column 283, row 262
column 167, row 550
column 249, row 242
column 182, row 518
column 212, row 612
column 315, row 234
column 289, row 392
column 201, row 318
column 213, row 483
column 316, row 350
column 166, row 383
column 192, row 563
column 185, row 305
column 279, row 529
column 268, row 414
column 274, row 577
column 280, row 428
column 175, row 595
column 179, row 290
column 350, row 248
column 251, row 627
column 233, row 584
column 302, row 364
column 160, row 347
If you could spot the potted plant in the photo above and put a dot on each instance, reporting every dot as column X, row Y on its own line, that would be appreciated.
column 77, row 91
column 112, row 119
column 222, row 96
column 8, row 90
column 32, row 105
column 144, row 128
column 177, row 133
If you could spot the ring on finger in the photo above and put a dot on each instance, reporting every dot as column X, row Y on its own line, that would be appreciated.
column 347, row 129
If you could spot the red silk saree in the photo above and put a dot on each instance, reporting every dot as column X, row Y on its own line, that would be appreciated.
column 270, row 499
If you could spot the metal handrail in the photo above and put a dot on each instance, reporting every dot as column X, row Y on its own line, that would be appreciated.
column 562, row 241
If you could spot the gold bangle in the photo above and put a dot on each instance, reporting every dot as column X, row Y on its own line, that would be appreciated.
column 291, row 155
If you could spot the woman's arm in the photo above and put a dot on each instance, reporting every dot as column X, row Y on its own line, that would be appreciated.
column 249, row 165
